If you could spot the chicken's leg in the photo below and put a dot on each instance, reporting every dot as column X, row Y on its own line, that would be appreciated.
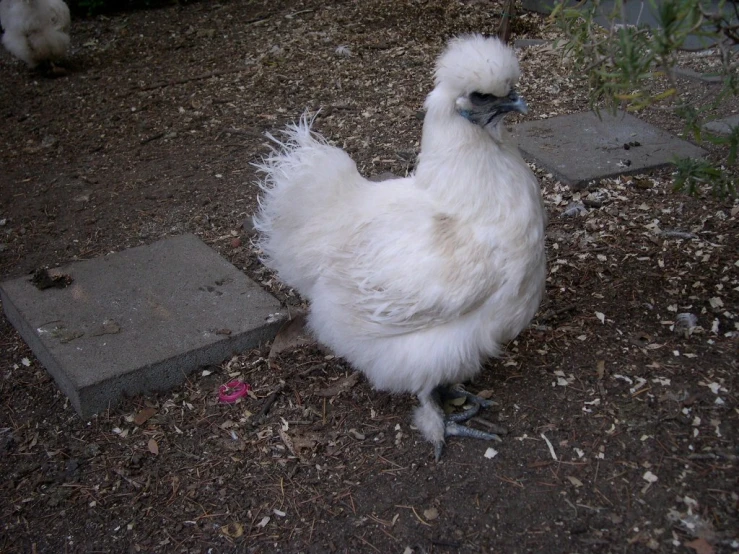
column 436, row 427
column 452, row 427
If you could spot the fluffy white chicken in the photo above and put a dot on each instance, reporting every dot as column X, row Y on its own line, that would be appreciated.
column 416, row 281
column 36, row 31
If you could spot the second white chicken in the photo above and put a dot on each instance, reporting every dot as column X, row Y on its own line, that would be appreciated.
column 35, row 31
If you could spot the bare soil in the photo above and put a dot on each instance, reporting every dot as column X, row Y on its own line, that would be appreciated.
column 622, row 427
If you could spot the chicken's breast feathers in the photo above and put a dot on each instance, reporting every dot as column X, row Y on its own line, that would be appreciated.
column 410, row 266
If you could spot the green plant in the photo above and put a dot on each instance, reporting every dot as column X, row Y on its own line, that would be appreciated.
column 633, row 68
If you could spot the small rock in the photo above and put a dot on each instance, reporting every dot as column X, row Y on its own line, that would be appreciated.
column 356, row 434
column 573, row 209
column 578, row 528
column 91, row 450
column 431, row 514
column 248, row 225
column 685, row 323
column 48, row 141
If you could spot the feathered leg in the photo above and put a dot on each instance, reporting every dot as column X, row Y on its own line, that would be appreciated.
column 430, row 420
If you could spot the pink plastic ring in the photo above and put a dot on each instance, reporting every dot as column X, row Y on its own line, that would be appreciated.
column 232, row 391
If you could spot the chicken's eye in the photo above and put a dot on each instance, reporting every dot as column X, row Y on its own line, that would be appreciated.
column 478, row 98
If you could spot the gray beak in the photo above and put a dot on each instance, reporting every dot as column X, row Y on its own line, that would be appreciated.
column 514, row 103
column 485, row 109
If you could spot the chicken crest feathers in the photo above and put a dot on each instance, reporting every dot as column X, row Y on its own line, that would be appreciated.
column 474, row 63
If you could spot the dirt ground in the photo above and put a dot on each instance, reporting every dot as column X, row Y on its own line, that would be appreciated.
column 622, row 424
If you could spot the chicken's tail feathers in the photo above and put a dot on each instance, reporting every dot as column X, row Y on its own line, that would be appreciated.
column 288, row 150
column 303, row 178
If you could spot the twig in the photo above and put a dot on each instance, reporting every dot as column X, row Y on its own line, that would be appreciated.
column 504, row 29
column 260, row 19
column 510, row 481
column 291, row 15
column 186, row 80
column 152, row 138
column 551, row 315
column 134, row 484
column 549, row 444
column 267, row 405
column 415, row 513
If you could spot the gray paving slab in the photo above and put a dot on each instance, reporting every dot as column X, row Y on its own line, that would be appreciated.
column 139, row 320
column 722, row 126
column 527, row 42
column 580, row 148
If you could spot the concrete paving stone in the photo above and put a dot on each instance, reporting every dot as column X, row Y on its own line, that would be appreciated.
column 139, row 320
column 527, row 42
column 722, row 126
column 580, row 148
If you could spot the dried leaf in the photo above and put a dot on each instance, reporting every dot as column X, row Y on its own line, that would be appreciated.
column 234, row 530
column 306, row 442
column 153, row 447
column 575, row 481
column 287, row 440
column 43, row 279
column 144, row 415
column 343, row 385
column 291, row 335
column 600, row 369
column 701, row 546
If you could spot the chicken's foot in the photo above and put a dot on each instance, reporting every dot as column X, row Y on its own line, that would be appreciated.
column 452, row 427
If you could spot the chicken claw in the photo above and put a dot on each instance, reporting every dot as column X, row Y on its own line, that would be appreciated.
column 452, row 427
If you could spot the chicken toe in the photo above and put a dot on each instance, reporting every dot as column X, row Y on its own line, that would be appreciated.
column 450, row 393
column 452, row 427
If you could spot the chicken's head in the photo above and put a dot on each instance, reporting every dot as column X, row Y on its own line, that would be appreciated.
column 478, row 75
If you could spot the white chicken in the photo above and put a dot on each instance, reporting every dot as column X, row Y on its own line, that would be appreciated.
column 416, row 281
column 36, row 31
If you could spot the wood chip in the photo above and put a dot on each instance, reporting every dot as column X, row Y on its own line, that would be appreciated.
column 144, row 415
